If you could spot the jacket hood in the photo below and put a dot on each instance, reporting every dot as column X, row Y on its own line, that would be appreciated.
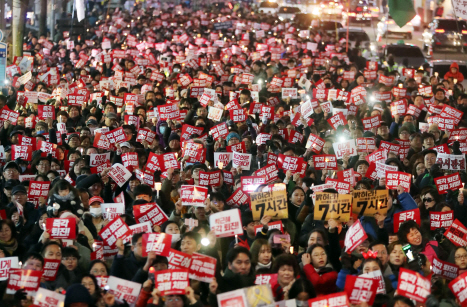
column 454, row 65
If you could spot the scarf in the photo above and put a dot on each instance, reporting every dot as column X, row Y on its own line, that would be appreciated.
column 263, row 266
column 9, row 246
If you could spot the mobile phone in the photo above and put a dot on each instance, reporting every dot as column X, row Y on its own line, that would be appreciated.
column 408, row 252
column 278, row 239
column 151, row 273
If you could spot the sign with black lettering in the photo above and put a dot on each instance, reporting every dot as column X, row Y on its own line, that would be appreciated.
column 273, row 204
column 332, row 206
column 368, row 203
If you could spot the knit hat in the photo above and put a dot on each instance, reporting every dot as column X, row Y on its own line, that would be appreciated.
column 174, row 136
column 232, row 135
column 77, row 293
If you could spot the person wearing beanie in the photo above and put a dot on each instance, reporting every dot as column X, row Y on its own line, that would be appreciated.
column 232, row 138
column 78, row 295
column 174, row 143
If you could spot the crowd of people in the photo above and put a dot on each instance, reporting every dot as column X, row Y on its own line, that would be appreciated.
column 173, row 95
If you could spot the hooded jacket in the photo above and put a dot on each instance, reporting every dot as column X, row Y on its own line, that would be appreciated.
column 458, row 75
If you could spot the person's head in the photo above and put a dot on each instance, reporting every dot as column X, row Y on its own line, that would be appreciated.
column 137, row 245
column 396, row 254
column 430, row 158
column 70, row 257
column 383, row 131
column 52, row 250
column 317, row 236
column 89, row 281
column 78, row 296
column 98, row 268
column 381, row 250
column 319, row 258
column 287, row 269
column 218, row 200
column 239, row 260
column 361, row 167
column 7, row 230
column 409, row 232
column 248, row 223
column 261, row 252
column 143, row 191
column 372, row 265
column 401, row 301
column 170, row 227
column 429, row 197
column 232, row 138
column 33, row 261
column 302, row 290
column 297, row 196
column 43, row 165
column 190, row 243
column 428, row 140
column 459, row 257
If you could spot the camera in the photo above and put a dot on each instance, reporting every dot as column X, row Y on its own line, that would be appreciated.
column 414, row 260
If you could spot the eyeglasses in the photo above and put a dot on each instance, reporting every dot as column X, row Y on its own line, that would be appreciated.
column 428, row 200
column 461, row 257
column 174, row 299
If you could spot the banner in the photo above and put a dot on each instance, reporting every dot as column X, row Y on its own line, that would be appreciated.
column 226, row 223
column 451, row 162
column 368, row 203
column 273, row 204
column 332, row 206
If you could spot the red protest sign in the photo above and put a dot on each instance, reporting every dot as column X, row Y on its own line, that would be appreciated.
column 389, row 147
column 38, row 189
column 413, row 285
column 168, row 160
column 239, row 147
column 146, row 135
column 371, row 122
column 130, row 160
column 450, row 182
column 450, row 112
column 295, row 137
column 61, row 228
column 360, row 289
column 202, row 268
column 337, row 120
column 444, row 269
column 366, row 144
column 238, row 198
column 178, row 259
column 458, row 287
column 7, row 114
column 325, row 162
column 21, row 152
column 50, row 269
column 46, row 147
column 332, row 300
column 340, row 186
column 149, row 213
column 238, row 115
column 172, row 282
column 251, row 183
column 269, row 172
column 441, row 219
column 158, row 243
column 115, row 229
column 403, row 216
column 210, row 178
column 219, row 131
column 152, row 164
column 457, row 233
column 188, row 131
column 28, row 280
column 100, row 141
column 45, row 112
column 286, row 163
column 354, row 237
column 116, row 136
column 76, row 100
column 394, row 179
column 193, row 195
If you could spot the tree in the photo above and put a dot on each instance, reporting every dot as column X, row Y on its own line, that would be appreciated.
column 17, row 24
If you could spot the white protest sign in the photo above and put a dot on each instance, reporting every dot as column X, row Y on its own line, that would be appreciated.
column 240, row 159
column 112, row 210
column 5, row 265
column 47, row 298
column 99, row 159
column 120, row 174
column 223, row 157
column 345, row 147
column 124, row 289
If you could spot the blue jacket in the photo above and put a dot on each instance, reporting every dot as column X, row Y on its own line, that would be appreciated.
column 406, row 202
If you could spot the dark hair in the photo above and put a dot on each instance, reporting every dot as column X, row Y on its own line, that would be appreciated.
column 218, row 196
column 359, row 162
column 372, row 244
column 11, row 225
column 404, row 230
column 322, row 233
column 33, row 255
column 44, row 247
column 302, row 285
column 403, row 299
column 192, row 235
column 70, row 252
column 452, row 255
column 167, row 223
column 142, row 189
column 234, row 252
column 365, row 261
column 98, row 261
column 286, row 259
column 136, row 237
column 96, row 285
column 256, row 248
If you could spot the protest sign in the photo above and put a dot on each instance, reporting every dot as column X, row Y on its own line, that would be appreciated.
column 38, row 189
column 407, row 215
column 120, row 174
column 48, row 298
column 332, row 300
column 50, row 269
column 61, row 228
column 6, row 264
column 360, row 289
column 354, row 237
column 457, row 233
column 413, row 285
column 394, row 179
column 158, row 243
column 193, row 195
column 272, row 204
column 226, row 223
column 115, row 229
column 325, row 162
column 332, row 206
column 178, row 259
column 124, row 289
column 368, row 203
column 289, row 163
column 238, row 198
column 451, row 162
column 111, row 211
column 441, row 219
column 270, row 172
column 172, row 282
column 444, row 268
column 315, row 143
column 242, row 160
column 450, row 182
column 28, row 280
column 202, row 268
column 345, row 147
column 212, row 179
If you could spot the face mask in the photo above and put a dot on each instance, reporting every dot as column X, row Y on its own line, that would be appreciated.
column 40, row 132
column 96, row 212
column 23, row 169
column 162, row 129
column 175, row 237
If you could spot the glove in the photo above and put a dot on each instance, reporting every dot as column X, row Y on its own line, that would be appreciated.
column 254, row 149
column 456, row 148
column 209, row 140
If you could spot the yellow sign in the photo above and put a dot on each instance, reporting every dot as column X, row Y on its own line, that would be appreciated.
column 368, row 203
column 332, row 206
column 272, row 204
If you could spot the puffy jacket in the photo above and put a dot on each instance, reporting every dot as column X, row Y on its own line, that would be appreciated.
column 323, row 283
column 458, row 75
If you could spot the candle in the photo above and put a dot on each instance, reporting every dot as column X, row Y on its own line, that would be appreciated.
column 56, row 206
column 400, row 85
column 413, row 177
column 259, row 165
column 236, row 239
column 158, row 186
column 220, row 165
column 291, row 249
